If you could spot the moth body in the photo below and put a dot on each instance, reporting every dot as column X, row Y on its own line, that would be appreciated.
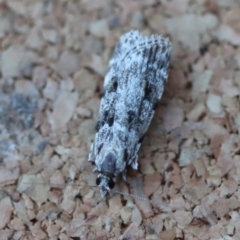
column 133, row 87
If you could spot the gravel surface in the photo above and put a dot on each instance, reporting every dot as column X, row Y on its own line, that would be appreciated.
column 54, row 55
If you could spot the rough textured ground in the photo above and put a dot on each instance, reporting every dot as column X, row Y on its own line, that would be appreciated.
column 54, row 55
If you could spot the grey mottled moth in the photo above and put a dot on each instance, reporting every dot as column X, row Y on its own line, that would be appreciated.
column 133, row 87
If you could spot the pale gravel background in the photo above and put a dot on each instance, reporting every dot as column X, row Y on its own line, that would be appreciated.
column 53, row 60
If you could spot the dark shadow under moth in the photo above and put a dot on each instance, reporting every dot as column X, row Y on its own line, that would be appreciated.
column 133, row 86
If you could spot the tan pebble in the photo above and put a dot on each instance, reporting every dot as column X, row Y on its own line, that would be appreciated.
column 108, row 224
column 213, row 181
column 68, row 205
column 173, row 117
column 144, row 206
column 84, row 80
column 207, row 212
column 34, row 39
column 45, row 128
column 51, row 89
column 8, row 176
column 151, row 237
column 137, row 20
column 167, row 235
column 64, row 236
column 200, row 168
column 187, row 155
column 99, row 28
column 132, row 232
column 3, row 193
column 93, row 104
column 100, row 209
column 89, row 195
column 68, row 63
column 57, row 179
column 67, row 85
column 136, row 217
column 228, row 90
column 98, row 64
column 52, row 53
column 77, row 227
column 115, row 204
column 151, row 183
column 55, row 196
column 145, row 167
column 220, row 207
column 81, row 208
column 169, row 223
column 51, row 35
column 233, row 202
column 26, row 88
column 214, row 103
column 158, row 223
column 73, row 171
column 87, row 130
column 201, row 83
column 6, row 209
column 185, row 26
column 6, row 234
column 228, row 187
column 53, row 230
column 126, row 214
column 95, row 5
column 22, row 212
column 17, row 224
column 177, row 202
column 183, row 217
column 39, row 76
column 227, row 33
column 157, row 23
column 59, row 149
column 17, row 62
column 196, row 112
column 37, row 232
column 173, row 8
column 63, row 111
column 28, row 202
column 83, row 112
column 35, row 186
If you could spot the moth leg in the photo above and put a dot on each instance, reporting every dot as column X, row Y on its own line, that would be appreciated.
column 91, row 155
column 124, row 175
column 134, row 163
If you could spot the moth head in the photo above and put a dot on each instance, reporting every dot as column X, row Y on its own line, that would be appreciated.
column 105, row 183
column 107, row 171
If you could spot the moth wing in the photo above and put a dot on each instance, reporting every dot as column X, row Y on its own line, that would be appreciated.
column 144, row 69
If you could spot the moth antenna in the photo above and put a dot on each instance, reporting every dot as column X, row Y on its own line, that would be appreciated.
column 131, row 195
column 59, row 184
column 145, row 199
column 141, row 198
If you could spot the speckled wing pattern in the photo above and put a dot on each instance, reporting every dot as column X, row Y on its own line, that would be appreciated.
column 133, row 87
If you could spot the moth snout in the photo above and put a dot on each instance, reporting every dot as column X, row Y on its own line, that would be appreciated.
column 105, row 183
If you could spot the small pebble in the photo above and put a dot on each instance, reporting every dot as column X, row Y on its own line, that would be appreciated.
column 64, row 108
column 17, row 62
column 99, row 28
column 214, row 103
column 68, row 63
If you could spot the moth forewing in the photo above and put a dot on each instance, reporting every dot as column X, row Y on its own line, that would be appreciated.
column 133, row 87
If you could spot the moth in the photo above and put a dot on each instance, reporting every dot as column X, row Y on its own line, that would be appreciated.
column 133, row 86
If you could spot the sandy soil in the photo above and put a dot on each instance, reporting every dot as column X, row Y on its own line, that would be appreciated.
column 54, row 55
